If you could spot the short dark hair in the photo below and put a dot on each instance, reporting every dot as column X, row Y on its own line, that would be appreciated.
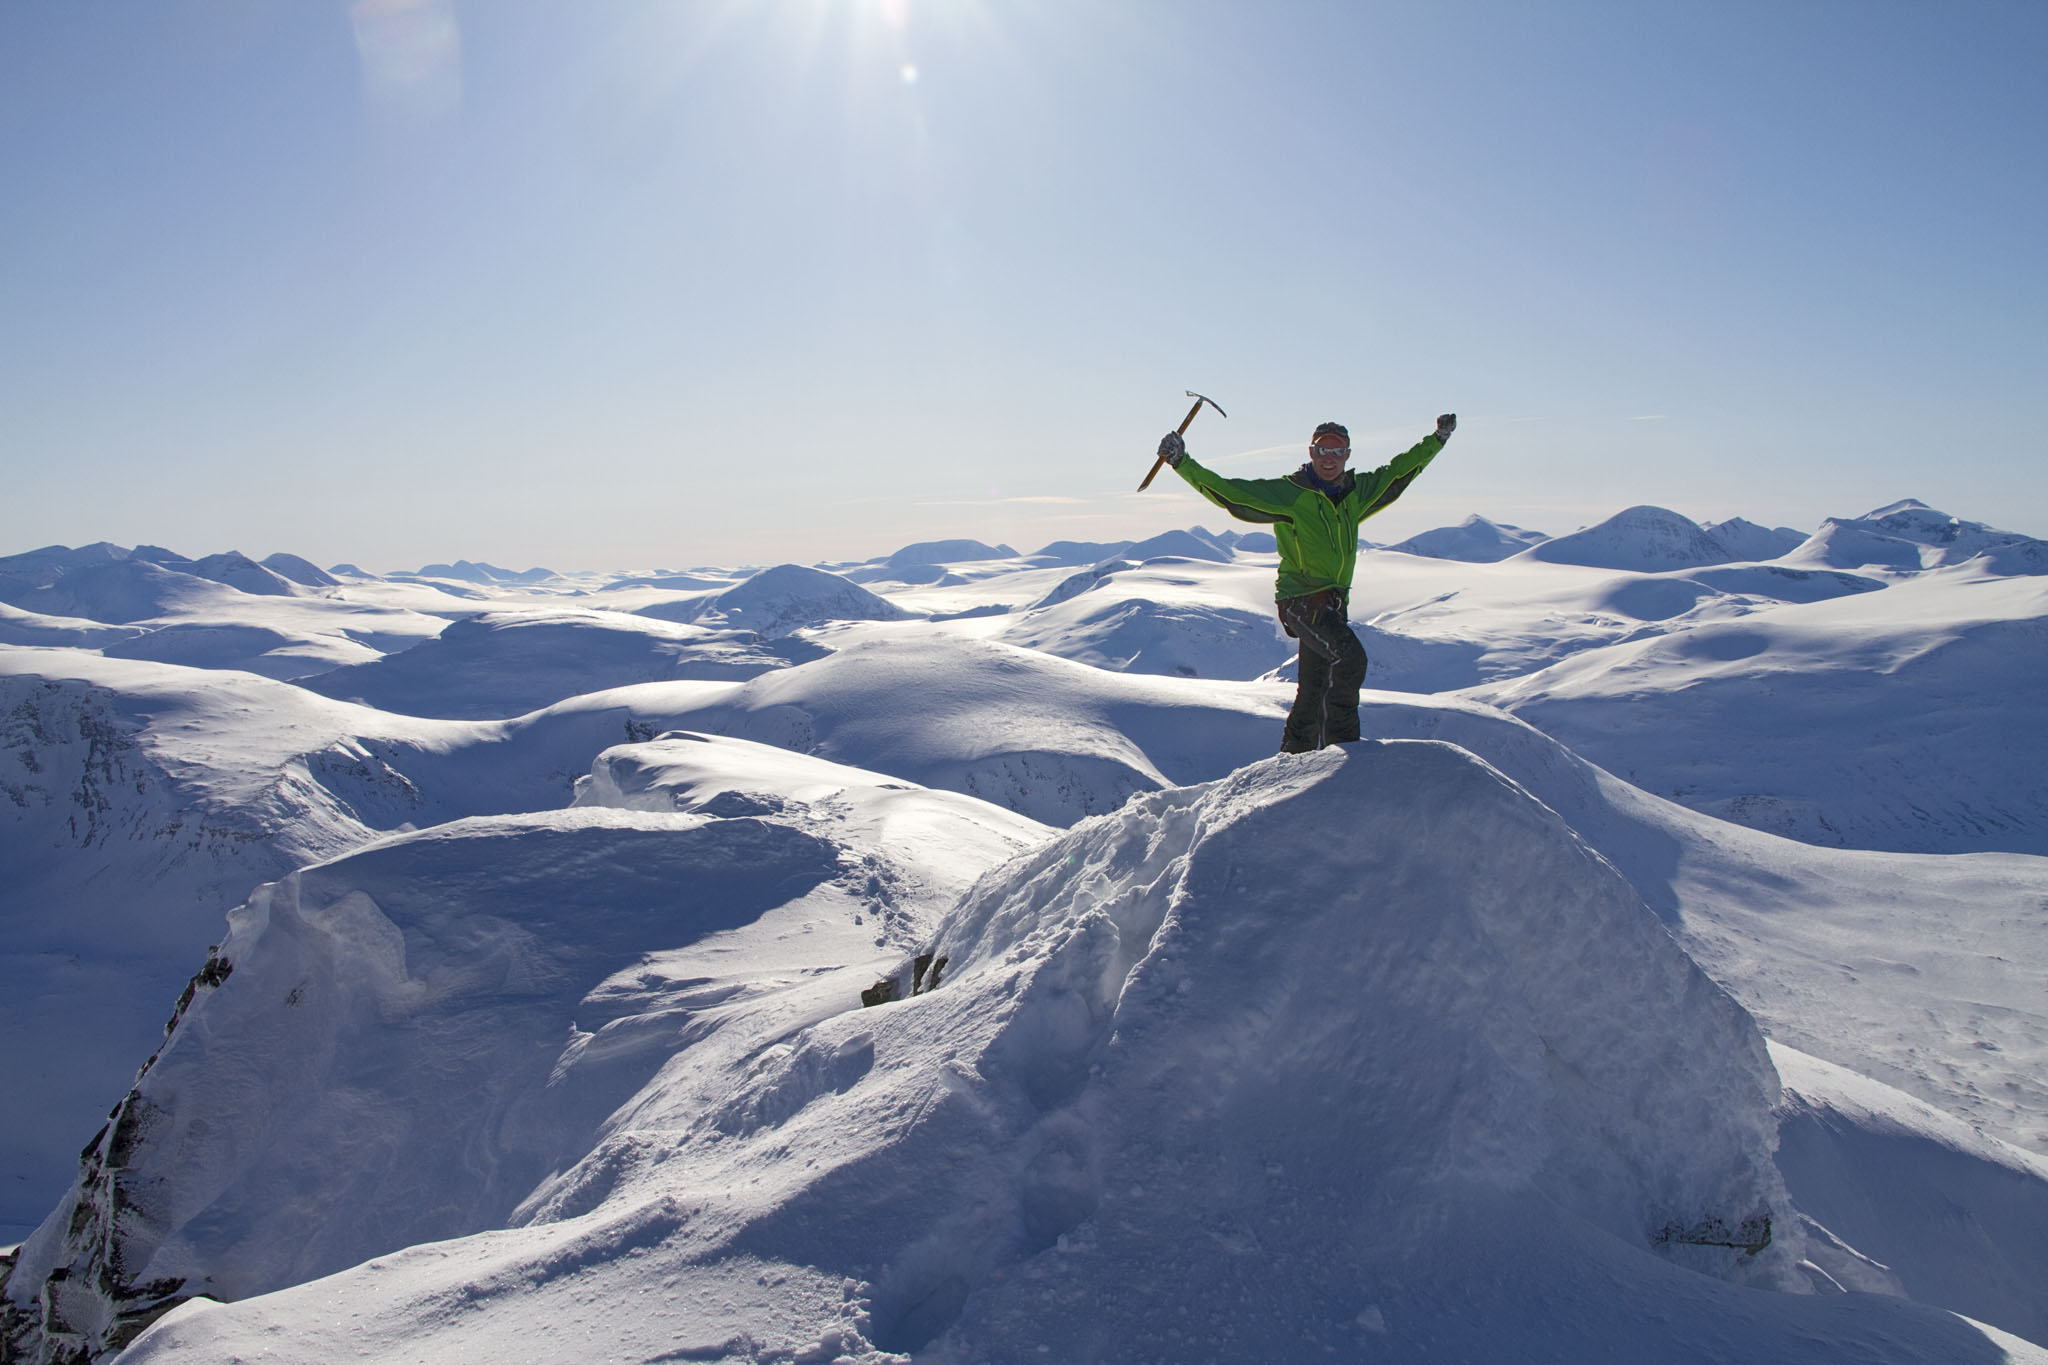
column 1332, row 429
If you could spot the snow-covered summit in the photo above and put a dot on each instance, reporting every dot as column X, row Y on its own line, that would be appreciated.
column 300, row 570
column 1474, row 540
column 485, row 574
column 1908, row 536
column 787, row 598
column 1648, row 539
column 105, row 583
column 1183, row 544
column 929, row 553
column 1398, row 1100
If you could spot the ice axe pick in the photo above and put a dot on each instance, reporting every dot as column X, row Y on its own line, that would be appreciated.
column 1185, row 423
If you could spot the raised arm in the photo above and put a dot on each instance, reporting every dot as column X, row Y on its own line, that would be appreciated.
column 1376, row 491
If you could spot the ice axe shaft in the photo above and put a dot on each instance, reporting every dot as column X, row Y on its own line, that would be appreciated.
column 1182, row 430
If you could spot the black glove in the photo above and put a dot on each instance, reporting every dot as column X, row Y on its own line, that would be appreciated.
column 1445, row 425
column 1172, row 449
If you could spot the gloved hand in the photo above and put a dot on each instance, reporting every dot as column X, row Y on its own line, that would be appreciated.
column 1445, row 425
column 1172, row 449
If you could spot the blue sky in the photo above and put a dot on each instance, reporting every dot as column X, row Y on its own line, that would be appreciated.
column 660, row 282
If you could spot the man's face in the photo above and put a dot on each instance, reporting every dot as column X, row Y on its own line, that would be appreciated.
column 1328, row 454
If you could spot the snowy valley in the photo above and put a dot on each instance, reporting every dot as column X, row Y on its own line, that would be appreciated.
column 1664, row 976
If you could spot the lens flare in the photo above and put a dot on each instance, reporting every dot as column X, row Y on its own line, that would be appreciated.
column 412, row 56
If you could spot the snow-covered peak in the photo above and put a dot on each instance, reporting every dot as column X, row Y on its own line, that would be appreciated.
column 927, row 553
column 244, row 574
column 105, row 583
column 1901, row 507
column 1079, row 552
column 1648, row 539
column 787, row 598
column 1475, row 540
column 489, row 575
column 1908, row 536
column 301, row 571
column 1185, row 544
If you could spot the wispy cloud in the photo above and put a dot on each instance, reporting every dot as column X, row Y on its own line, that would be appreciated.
column 1004, row 502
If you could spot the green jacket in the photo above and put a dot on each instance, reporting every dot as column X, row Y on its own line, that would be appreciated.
column 1318, row 534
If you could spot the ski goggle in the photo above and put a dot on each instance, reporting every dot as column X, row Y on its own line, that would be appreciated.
column 1336, row 451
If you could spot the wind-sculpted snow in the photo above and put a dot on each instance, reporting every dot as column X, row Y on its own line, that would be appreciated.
column 1359, row 1054
column 1919, row 1194
column 138, row 802
column 142, row 801
column 940, row 839
column 1047, row 738
column 442, row 1022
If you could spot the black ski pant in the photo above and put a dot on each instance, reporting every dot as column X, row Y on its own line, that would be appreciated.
column 1332, row 669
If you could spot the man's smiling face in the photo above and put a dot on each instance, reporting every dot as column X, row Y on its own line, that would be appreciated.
column 1328, row 454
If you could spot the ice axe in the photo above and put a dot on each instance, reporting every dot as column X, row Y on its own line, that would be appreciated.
column 1182, row 430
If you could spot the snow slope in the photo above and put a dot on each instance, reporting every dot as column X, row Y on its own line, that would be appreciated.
column 505, row 663
column 1447, row 1090
column 1046, row 737
column 1166, row 616
column 1746, row 541
column 1923, row 971
column 1911, row 1187
column 1879, row 720
column 18, row 627
column 141, row 801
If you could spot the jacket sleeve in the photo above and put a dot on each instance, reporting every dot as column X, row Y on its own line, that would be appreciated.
column 1376, row 491
column 1260, row 500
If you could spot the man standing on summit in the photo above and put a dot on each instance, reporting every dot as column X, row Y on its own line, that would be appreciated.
column 1315, row 512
